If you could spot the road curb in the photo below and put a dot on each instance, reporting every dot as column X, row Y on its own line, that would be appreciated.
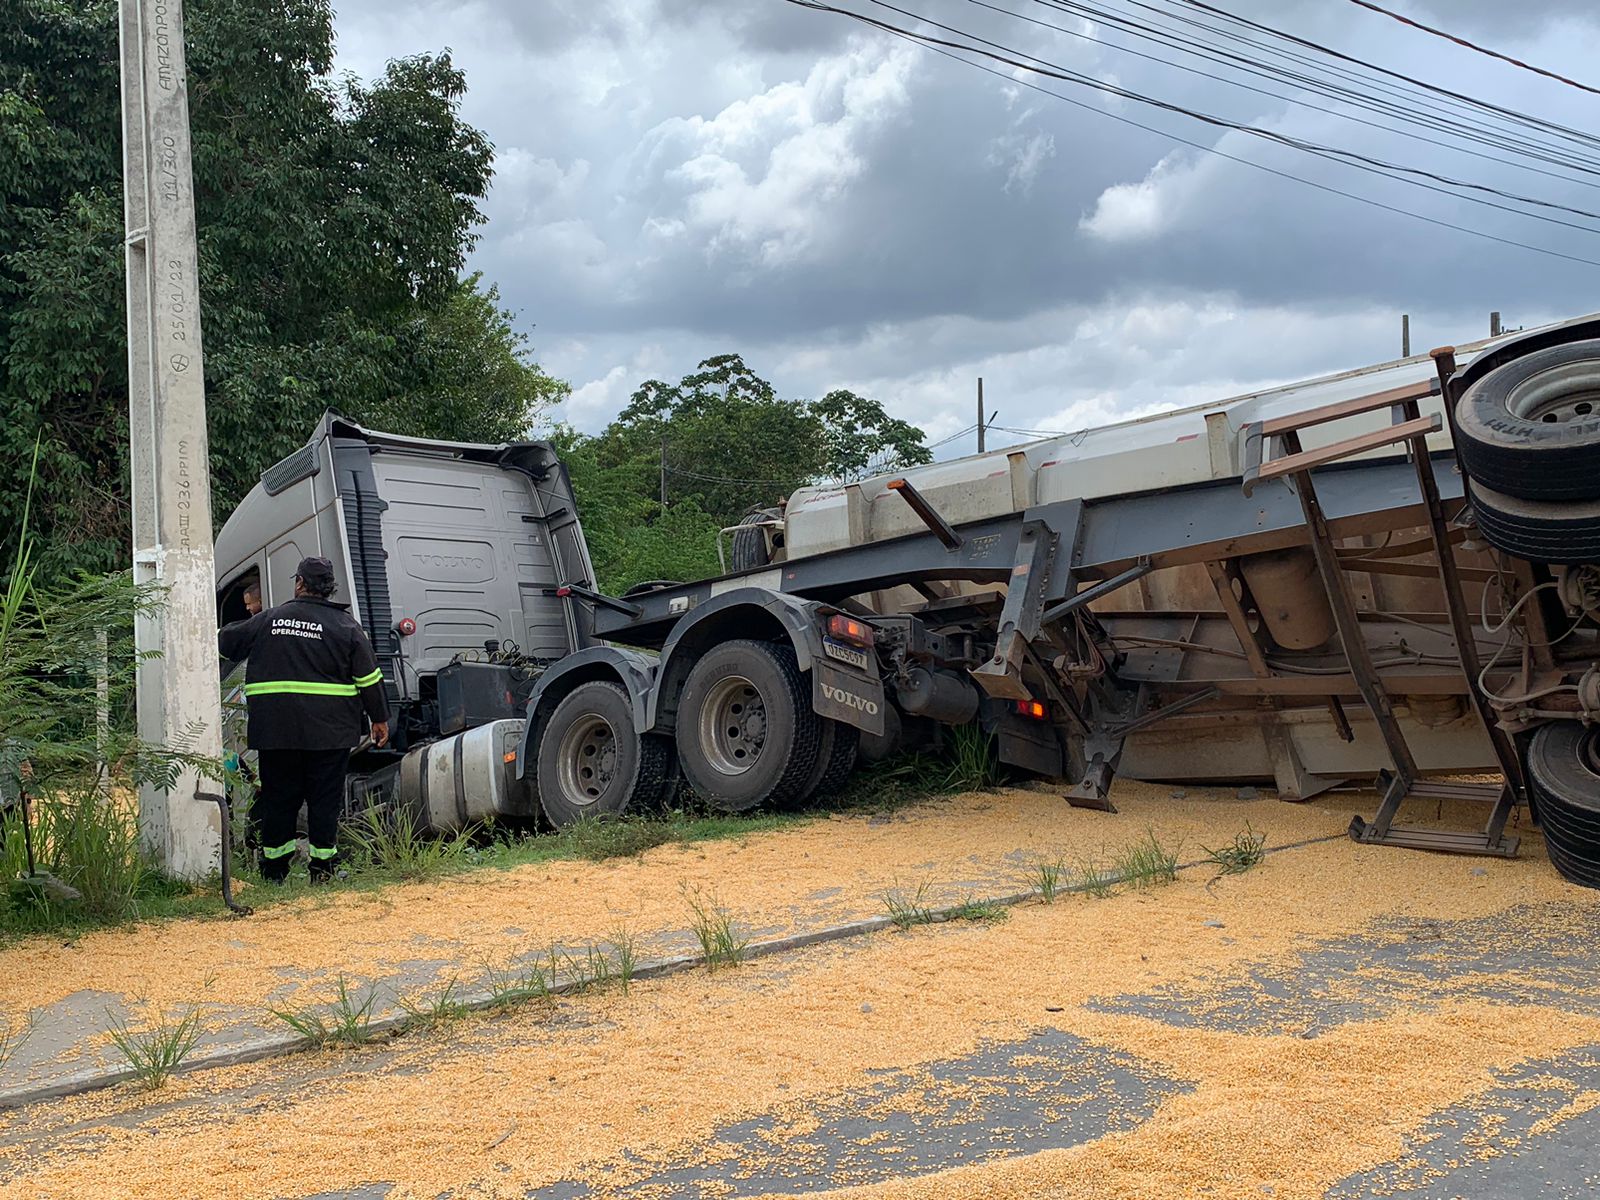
column 395, row 1024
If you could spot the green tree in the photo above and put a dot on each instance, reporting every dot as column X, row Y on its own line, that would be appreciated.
column 730, row 444
column 335, row 217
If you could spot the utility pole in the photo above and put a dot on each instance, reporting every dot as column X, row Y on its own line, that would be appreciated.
column 663, row 472
column 178, row 695
column 1405, row 335
column 980, row 414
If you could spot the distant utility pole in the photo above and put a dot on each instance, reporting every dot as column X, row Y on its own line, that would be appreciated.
column 1405, row 335
column 980, row 414
column 178, row 695
column 663, row 472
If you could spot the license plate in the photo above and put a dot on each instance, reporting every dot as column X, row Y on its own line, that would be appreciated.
column 846, row 654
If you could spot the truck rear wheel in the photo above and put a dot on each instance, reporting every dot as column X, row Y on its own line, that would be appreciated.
column 593, row 762
column 746, row 732
column 1539, row 530
column 1564, row 769
column 1531, row 428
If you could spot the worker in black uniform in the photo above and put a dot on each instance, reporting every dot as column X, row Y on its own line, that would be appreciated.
column 311, row 679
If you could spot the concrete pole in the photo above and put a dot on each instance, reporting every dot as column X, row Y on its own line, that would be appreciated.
column 178, row 694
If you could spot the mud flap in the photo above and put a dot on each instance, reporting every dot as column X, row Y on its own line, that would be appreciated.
column 844, row 696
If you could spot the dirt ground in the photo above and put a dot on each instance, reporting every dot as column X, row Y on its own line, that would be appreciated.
column 1340, row 1021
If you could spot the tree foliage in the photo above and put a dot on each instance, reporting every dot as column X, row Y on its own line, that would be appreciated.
column 726, row 444
column 335, row 217
column 730, row 444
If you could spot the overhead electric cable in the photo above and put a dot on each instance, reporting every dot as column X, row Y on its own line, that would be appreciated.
column 1403, row 102
column 1461, row 41
column 1299, row 102
column 916, row 39
column 1519, row 117
column 1361, row 162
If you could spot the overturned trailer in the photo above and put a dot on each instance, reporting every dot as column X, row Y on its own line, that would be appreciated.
column 1302, row 587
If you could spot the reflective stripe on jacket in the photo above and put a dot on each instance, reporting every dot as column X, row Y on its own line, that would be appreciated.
column 311, row 675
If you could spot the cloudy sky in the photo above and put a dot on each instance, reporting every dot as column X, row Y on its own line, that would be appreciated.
column 680, row 178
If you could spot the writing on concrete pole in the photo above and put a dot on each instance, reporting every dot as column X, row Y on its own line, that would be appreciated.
column 177, row 691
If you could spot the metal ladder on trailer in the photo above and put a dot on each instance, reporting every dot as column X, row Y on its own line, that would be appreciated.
column 1408, row 428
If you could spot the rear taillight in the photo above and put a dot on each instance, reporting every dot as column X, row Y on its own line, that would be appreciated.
column 848, row 629
column 1033, row 709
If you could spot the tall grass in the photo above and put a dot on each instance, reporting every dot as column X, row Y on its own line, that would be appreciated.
column 57, row 635
column 390, row 837
column 973, row 764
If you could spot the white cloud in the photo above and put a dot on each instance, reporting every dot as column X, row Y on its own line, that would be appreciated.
column 759, row 174
column 1130, row 212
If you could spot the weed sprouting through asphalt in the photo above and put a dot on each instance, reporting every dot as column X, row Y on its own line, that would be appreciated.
column 1147, row 863
column 713, row 928
column 1247, row 850
column 979, row 910
column 906, row 911
column 430, row 1011
column 1046, row 878
column 1093, row 879
column 155, row 1052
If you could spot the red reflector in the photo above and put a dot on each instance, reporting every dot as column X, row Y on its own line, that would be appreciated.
column 848, row 629
column 1032, row 708
column 563, row 591
column 406, row 627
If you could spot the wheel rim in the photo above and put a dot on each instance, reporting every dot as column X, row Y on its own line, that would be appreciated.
column 733, row 725
column 1558, row 396
column 587, row 759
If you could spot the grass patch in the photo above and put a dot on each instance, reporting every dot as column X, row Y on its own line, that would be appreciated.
column 345, row 1020
column 1147, row 863
column 906, row 911
column 392, row 838
column 155, row 1052
column 979, row 910
column 431, row 1011
column 1094, row 880
column 972, row 765
column 713, row 928
column 1046, row 877
column 1247, row 850
column 508, row 989
column 598, row 838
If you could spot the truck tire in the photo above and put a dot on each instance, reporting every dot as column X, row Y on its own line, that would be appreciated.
column 836, row 760
column 593, row 762
column 1564, row 771
column 746, row 733
column 1531, row 428
column 749, row 550
column 1539, row 530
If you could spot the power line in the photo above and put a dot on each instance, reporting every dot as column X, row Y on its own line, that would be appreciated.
column 1406, row 104
column 1221, row 59
column 1461, row 41
column 1518, row 117
column 1361, row 162
column 923, row 40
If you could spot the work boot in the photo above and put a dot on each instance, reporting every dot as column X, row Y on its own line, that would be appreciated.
column 274, row 861
column 324, row 865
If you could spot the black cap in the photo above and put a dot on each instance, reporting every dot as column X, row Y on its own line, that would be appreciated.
column 316, row 572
